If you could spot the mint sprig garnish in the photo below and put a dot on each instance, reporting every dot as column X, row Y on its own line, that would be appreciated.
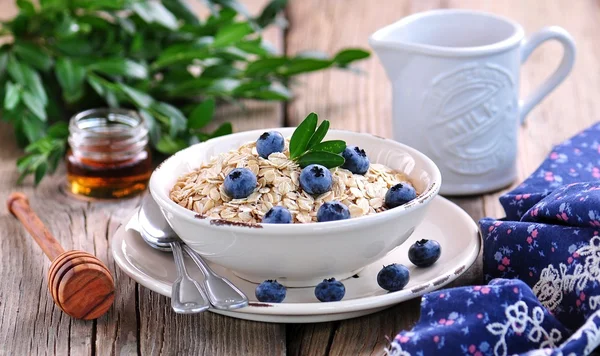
column 306, row 147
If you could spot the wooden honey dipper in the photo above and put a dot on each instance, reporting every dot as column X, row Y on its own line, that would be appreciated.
column 80, row 284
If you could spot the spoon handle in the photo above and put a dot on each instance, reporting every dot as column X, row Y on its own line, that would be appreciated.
column 221, row 292
column 18, row 205
column 186, row 294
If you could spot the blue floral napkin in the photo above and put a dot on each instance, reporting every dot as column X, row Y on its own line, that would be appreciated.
column 543, row 266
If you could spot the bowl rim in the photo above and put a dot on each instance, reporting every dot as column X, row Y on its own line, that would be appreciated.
column 170, row 206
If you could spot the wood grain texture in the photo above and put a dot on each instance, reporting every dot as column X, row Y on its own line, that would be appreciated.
column 141, row 321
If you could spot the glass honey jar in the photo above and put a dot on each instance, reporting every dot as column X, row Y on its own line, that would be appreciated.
column 108, row 154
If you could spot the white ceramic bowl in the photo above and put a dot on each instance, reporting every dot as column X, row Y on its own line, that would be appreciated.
column 298, row 254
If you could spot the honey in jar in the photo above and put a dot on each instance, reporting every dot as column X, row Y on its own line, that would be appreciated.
column 108, row 154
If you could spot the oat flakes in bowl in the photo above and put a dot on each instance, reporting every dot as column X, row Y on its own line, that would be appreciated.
column 278, row 184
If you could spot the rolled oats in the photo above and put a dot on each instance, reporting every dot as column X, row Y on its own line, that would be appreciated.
column 278, row 184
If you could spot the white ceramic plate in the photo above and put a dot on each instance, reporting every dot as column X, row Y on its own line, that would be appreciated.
column 445, row 222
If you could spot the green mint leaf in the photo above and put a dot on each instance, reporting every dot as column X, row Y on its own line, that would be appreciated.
column 327, row 159
column 346, row 56
column 255, row 46
column 319, row 134
column 202, row 114
column 275, row 91
column 40, row 172
column 333, row 146
column 13, row 68
column 35, row 105
column 33, row 82
column 302, row 135
column 26, row 7
column 33, row 55
column 121, row 67
column 71, row 77
column 12, row 95
column 167, row 59
column 265, row 65
column 231, row 34
column 33, row 128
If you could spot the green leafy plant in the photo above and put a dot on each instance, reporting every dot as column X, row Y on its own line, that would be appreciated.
column 156, row 57
column 307, row 145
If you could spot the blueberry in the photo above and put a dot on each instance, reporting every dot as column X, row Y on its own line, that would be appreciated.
column 315, row 179
column 393, row 277
column 277, row 215
column 270, row 291
column 424, row 253
column 239, row 183
column 330, row 290
column 332, row 210
column 357, row 161
column 399, row 194
column 270, row 142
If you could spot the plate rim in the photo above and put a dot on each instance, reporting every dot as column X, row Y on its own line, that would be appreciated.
column 318, row 308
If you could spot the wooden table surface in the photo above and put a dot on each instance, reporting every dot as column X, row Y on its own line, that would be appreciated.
column 142, row 322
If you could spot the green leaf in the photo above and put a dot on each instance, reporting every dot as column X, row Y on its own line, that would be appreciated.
column 155, row 12
column 202, row 114
column 269, row 13
column 35, row 105
column 232, row 33
column 255, row 46
column 169, row 145
column 302, row 135
column 346, row 56
column 40, row 172
column 120, row 66
column 319, row 135
column 153, row 126
column 71, row 77
column 14, row 69
column 167, row 59
column 26, row 7
column 182, row 10
column 275, row 91
column 59, row 130
column 75, row 46
column 139, row 98
column 12, row 95
column 233, row 4
column 33, row 55
column 3, row 63
column 327, row 159
column 33, row 128
column 333, row 146
column 177, row 121
column 224, row 129
column 265, row 65
column 304, row 65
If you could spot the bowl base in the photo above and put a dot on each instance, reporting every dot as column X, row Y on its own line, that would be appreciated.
column 295, row 283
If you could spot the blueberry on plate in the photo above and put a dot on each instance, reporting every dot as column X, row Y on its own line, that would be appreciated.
column 356, row 160
column 270, row 142
column 332, row 211
column 424, row 253
column 270, row 291
column 399, row 194
column 330, row 290
column 315, row 179
column 277, row 215
column 239, row 183
column 393, row 277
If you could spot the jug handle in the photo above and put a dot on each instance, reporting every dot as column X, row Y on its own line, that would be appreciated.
column 565, row 66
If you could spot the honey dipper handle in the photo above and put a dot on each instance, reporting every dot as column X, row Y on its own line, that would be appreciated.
column 18, row 205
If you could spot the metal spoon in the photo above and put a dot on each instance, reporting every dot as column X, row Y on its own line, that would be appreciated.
column 187, row 295
column 222, row 294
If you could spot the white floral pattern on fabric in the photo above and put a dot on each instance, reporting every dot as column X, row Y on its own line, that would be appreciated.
column 553, row 283
column 396, row 350
column 518, row 320
column 591, row 330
